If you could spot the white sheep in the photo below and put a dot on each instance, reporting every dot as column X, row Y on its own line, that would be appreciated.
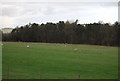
column 28, row 46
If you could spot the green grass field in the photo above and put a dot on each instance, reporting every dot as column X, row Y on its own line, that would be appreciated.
column 57, row 61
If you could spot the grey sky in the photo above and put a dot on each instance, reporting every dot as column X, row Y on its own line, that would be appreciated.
column 21, row 13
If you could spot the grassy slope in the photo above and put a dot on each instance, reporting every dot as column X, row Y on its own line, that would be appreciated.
column 43, row 60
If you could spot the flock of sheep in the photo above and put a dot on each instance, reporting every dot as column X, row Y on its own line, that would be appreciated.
column 64, row 46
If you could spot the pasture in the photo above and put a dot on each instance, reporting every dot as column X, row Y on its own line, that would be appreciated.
column 58, row 61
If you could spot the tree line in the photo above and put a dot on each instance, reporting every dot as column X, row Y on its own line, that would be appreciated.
column 67, row 32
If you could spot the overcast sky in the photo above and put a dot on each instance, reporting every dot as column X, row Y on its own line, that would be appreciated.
column 21, row 13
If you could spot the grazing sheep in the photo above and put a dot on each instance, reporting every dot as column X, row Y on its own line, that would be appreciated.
column 28, row 46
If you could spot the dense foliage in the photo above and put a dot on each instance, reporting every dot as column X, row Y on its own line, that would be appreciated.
column 67, row 32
